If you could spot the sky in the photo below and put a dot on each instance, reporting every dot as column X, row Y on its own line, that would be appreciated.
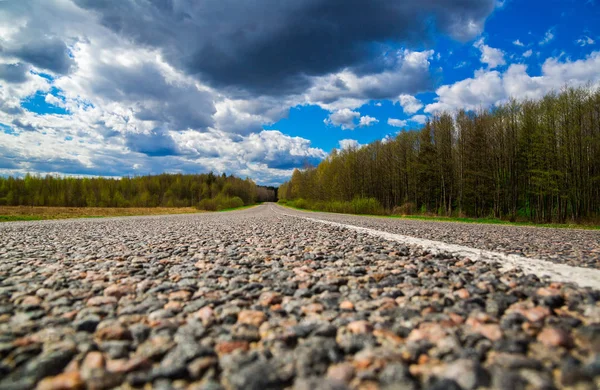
column 258, row 88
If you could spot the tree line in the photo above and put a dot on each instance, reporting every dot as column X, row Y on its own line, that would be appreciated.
column 535, row 160
column 206, row 191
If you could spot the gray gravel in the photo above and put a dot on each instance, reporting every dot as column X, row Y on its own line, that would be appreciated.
column 256, row 300
column 576, row 247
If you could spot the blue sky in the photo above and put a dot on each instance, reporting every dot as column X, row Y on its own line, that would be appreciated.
column 259, row 88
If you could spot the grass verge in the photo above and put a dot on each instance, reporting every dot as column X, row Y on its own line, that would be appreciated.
column 239, row 208
column 488, row 221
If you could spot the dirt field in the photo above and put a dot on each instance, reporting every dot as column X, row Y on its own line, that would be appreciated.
column 25, row 213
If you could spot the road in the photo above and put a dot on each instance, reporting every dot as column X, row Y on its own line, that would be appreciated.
column 269, row 297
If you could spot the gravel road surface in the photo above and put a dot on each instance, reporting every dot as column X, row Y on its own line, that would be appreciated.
column 575, row 247
column 265, row 298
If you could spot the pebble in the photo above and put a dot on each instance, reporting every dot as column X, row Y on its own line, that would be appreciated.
column 554, row 337
column 65, row 381
column 360, row 327
column 226, row 347
column 114, row 332
column 251, row 317
column 343, row 372
column 468, row 374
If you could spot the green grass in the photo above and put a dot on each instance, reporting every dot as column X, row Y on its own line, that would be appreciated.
column 11, row 218
column 359, row 206
column 494, row 221
column 239, row 208
column 488, row 221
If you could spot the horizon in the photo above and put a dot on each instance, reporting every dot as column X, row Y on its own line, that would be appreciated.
column 257, row 90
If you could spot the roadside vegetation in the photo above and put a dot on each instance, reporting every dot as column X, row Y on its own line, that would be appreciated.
column 204, row 192
column 367, row 206
column 527, row 161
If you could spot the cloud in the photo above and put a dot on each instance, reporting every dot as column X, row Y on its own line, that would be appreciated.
column 407, row 72
column 270, row 47
column 48, row 53
column 141, row 83
column 24, row 126
column 270, row 148
column 349, row 144
column 268, row 156
column 585, row 41
column 14, row 73
column 549, row 36
column 518, row 43
column 156, row 143
column 245, row 116
column 54, row 101
column 410, row 104
column 487, row 88
column 187, row 86
column 366, row 121
column 280, row 151
column 484, row 89
column 491, row 56
column 345, row 118
column 421, row 119
column 396, row 122
column 528, row 53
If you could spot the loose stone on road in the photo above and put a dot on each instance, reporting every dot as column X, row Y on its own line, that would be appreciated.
column 269, row 298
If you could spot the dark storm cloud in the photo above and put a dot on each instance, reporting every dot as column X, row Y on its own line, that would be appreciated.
column 292, row 162
column 9, row 109
column 45, row 53
column 22, row 125
column 13, row 73
column 157, row 143
column 272, row 46
column 7, row 163
column 153, row 97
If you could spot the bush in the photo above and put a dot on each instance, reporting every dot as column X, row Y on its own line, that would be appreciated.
column 405, row 209
column 229, row 203
column 367, row 206
column 221, row 202
column 300, row 204
column 357, row 206
column 207, row 204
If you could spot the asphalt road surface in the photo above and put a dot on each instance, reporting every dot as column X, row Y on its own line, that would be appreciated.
column 269, row 298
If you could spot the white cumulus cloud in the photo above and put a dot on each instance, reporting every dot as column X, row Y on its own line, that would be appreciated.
column 421, row 119
column 366, row 121
column 487, row 88
column 410, row 104
column 397, row 122
column 345, row 118
column 491, row 56
column 346, row 144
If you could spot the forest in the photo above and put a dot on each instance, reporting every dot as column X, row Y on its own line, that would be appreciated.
column 204, row 191
column 530, row 160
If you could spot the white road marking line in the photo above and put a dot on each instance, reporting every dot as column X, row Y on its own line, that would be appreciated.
column 584, row 277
